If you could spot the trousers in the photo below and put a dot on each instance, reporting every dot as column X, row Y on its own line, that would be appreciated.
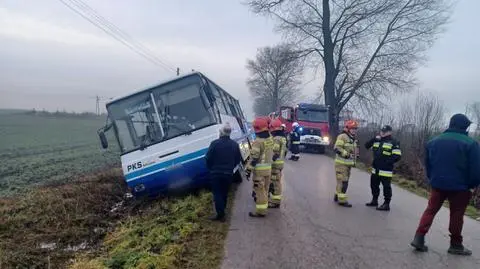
column 342, row 173
column 458, row 202
column 276, row 180
column 261, row 182
column 220, row 187
column 386, row 182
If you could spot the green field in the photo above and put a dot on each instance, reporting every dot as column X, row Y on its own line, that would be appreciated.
column 87, row 222
column 39, row 149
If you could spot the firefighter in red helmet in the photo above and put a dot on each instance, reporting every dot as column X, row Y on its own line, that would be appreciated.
column 346, row 154
column 260, row 165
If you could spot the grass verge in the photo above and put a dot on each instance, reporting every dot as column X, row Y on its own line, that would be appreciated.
column 414, row 187
column 46, row 227
column 89, row 224
column 166, row 233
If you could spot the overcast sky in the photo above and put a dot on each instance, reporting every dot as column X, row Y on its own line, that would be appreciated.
column 52, row 58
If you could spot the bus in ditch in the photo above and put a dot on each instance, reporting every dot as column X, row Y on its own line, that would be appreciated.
column 164, row 132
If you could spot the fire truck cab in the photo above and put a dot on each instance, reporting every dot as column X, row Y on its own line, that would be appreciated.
column 313, row 121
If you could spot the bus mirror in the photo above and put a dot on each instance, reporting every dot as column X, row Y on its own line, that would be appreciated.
column 103, row 139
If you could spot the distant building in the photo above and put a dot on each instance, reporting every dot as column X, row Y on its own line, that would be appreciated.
column 347, row 114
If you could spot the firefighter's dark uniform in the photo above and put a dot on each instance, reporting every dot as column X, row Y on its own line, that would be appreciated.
column 386, row 152
column 295, row 144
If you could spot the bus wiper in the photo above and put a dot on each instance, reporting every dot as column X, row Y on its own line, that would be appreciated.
column 182, row 130
column 150, row 135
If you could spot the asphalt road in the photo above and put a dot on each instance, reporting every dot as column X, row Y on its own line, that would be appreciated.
column 310, row 231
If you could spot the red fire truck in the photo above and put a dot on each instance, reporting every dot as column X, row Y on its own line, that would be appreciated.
column 313, row 121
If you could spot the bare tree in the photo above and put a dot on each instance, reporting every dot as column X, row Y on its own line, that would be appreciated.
column 418, row 118
column 369, row 48
column 473, row 111
column 275, row 77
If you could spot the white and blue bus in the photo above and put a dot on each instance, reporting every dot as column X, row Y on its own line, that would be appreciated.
column 164, row 132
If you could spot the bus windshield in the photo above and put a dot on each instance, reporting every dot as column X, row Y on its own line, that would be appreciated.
column 312, row 115
column 169, row 110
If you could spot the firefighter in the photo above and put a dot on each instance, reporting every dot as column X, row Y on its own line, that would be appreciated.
column 295, row 142
column 260, row 165
column 279, row 152
column 346, row 153
column 270, row 187
column 386, row 152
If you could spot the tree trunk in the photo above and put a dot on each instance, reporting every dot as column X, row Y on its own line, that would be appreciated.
column 275, row 96
column 328, row 60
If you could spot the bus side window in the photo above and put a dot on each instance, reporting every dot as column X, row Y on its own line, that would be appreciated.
column 226, row 101
column 236, row 113
column 231, row 106
column 218, row 98
column 239, row 109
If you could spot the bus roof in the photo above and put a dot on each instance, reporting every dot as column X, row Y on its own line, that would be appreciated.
column 160, row 84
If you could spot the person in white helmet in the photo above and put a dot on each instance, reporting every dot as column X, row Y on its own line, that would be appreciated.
column 295, row 142
column 284, row 129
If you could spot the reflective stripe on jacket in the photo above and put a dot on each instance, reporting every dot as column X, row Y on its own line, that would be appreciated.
column 386, row 152
column 261, row 154
column 345, row 148
column 279, row 149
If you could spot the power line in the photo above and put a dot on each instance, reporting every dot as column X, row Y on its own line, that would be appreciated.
column 108, row 30
column 88, row 9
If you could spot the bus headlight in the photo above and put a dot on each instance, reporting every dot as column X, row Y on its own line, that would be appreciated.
column 326, row 139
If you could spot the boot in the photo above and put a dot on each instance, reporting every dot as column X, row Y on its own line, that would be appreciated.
column 218, row 218
column 255, row 215
column 419, row 243
column 335, row 198
column 373, row 203
column 459, row 249
column 384, row 207
column 273, row 205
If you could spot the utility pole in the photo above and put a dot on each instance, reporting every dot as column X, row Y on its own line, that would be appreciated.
column 98, row 105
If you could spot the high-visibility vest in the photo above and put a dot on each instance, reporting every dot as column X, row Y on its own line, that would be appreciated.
column 262, row 151
column 279, row 148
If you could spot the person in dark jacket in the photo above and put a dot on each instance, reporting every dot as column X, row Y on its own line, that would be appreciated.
column 295, row 142
column 452, row 162
column 386, row 152
column 222, row 157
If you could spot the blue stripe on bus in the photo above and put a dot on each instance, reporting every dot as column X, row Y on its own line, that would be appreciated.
column 166, row 164
column 163, row 165
column 193, row 174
